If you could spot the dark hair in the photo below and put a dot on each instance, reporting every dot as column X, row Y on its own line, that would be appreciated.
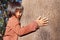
column 13, row 7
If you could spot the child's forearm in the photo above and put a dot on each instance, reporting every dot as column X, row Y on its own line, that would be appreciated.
column 29, row 28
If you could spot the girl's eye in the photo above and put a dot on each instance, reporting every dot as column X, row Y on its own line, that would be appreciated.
column 20, row 12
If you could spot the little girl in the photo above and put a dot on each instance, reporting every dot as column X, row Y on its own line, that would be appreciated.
column 14, row 29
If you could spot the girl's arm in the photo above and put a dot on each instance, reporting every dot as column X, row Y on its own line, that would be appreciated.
column 24, row 30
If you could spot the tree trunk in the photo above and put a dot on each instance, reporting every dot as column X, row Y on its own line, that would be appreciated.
column 44, row 8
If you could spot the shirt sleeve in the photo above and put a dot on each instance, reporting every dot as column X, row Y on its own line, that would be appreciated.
column 16, row 27
column 27, row 29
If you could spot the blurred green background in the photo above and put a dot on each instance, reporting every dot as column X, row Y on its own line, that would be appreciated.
column 4, row 15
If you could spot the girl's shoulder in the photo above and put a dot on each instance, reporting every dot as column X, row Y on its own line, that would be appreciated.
column 12, row 20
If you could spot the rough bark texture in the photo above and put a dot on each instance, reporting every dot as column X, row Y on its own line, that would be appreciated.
column 44, row 8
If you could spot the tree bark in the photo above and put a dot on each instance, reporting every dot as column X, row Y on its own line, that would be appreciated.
column 44, row 8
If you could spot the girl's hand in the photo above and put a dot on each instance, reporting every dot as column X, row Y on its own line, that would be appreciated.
column 42, row 21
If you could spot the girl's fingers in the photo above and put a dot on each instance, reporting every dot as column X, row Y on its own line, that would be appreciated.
column 39, row 18
column 44, row 18
column 46, row 22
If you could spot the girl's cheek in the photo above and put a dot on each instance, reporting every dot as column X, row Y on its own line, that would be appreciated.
column 20, row 14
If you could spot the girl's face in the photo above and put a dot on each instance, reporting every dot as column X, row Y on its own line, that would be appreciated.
column 18, row 14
